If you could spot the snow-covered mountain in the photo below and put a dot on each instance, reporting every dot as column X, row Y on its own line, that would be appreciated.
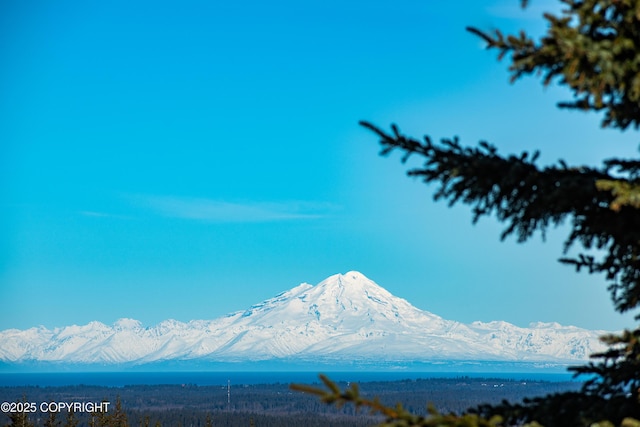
column 344, row 317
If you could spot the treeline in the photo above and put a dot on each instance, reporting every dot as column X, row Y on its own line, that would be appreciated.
column 188, row 418
column 259, row 405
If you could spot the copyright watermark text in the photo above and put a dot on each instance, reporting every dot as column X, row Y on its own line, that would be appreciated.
column 9, row 407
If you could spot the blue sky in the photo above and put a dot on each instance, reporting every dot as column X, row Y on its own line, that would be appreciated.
column 188, row 159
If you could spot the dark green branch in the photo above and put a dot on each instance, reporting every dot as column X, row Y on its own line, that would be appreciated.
column 529, row 198
column 591, row 48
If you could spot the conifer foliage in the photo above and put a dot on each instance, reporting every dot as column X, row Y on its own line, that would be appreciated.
column 530, row 198
column 593, row 48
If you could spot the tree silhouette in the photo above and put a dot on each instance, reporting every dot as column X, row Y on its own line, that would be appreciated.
column 20, row 418
column 52, row 420
column 71, row 420
column 593, row 48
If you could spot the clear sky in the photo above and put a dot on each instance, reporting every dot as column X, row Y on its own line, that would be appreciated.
column 184, row 160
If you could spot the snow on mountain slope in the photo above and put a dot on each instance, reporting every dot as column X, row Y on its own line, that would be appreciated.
column 344, row 316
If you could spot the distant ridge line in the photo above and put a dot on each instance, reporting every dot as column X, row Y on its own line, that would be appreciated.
column 345, row 317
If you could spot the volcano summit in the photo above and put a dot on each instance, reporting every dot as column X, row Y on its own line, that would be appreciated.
column 346, row 317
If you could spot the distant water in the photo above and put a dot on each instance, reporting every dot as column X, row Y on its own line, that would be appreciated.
column 121, row 379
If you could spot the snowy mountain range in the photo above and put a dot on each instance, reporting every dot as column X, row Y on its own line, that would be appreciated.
column 343, row 318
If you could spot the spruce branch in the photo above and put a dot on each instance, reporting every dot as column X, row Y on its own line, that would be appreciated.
column 529, row 198
column 398, row 416
column 591, row 48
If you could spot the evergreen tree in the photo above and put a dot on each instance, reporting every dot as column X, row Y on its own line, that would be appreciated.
column 99, row 419
column 593, row 48
column 71, row 419
column 145, row 421
column 118, row 418
column 21, row 418
column 52, row 420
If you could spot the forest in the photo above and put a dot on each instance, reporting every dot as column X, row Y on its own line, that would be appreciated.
column 261, row 405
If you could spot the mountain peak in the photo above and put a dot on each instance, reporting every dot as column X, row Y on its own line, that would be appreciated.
column 351, row 276
column 354, row 283
column 354, row 300
column 126, row 323
column 344, row 317
column 354, row 275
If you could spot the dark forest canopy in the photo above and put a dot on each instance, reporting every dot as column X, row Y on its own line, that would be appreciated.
column 266, row 404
